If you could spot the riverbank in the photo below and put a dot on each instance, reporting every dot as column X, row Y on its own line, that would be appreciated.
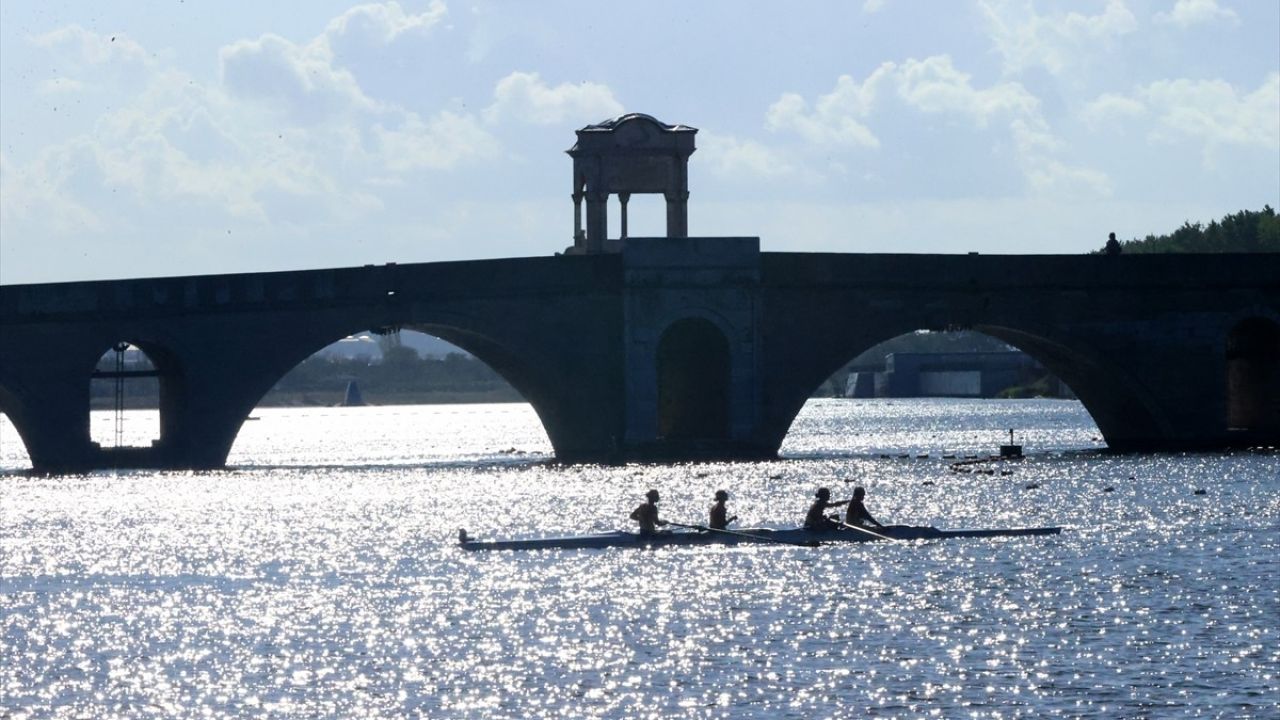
column 335, row 398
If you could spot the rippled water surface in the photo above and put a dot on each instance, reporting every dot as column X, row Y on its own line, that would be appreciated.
column 321, row 577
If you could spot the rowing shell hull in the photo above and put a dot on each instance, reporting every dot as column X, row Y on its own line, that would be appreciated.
column 797, row 536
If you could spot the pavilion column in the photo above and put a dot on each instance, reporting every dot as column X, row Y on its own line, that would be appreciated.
column 597, row 221
column 677, row 214
column 622, row 199
column 578, row 240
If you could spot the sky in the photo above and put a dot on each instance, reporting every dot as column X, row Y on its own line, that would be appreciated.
column 178, row 137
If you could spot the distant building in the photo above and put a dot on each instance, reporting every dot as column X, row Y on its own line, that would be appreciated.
column 975, row 375
column 365, row 345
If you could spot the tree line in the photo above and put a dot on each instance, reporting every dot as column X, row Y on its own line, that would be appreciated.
column 1248, row 231
column 402, row 375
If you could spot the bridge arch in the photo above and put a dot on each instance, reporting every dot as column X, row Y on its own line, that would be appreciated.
column 693, row 362
column 125, row 377
column 516, row 368
column 170, row 372
column 11, row 408
column 1120, row 404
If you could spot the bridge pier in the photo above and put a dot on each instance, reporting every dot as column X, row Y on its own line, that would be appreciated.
column 691, row 312
column 54, row 425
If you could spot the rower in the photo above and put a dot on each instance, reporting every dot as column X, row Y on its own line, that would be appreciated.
column 857, row 513
column 647, row 515
column 817, row 519
column 719, row 513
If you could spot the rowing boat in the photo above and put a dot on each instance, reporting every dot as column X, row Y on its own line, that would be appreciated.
column 796, row 536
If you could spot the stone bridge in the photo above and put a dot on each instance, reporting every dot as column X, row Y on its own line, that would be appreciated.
column 671, row 349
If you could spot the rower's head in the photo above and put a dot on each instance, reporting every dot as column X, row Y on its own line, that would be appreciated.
column 859, row 493
column 823, row 494
column 722, row 495
column 652, row 495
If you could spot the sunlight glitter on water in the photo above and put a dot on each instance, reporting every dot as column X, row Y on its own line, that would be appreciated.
column 321, row 578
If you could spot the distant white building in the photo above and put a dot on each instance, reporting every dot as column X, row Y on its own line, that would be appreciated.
column 365, row 345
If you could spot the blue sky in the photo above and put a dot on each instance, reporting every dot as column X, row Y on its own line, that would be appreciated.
column 189, row 136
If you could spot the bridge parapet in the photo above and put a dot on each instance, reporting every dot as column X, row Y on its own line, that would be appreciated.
column 1208, row 272
column 303, row 289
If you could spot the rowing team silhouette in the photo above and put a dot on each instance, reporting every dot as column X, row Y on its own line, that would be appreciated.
column 856, row 514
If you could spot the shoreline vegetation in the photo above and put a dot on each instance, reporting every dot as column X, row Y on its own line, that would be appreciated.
column 1248, row 231
column 321, row 381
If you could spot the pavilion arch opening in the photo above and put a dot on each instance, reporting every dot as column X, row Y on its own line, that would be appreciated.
column 1253, row 376
column 638, row 215
column 125, row 398
column 693, row 381
column 391, row 394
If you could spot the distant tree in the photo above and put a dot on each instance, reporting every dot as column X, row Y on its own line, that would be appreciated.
column 400, row 370
column 388, row 341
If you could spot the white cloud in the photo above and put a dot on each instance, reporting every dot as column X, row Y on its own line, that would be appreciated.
column 1037, row 157
column 298, row 79
column 1111, row 108
column 442, row 143
column 1213, row 112
column 33, row 192
column 1187, row 13
column 285, row 128
column 1032, row 135
column 820, row 127
column 1027, row 39
column 85, row 60
column 384, row 23
column 524, row 97
column 731, row 157
column 81, row 47
column 872, row 6
column 836, row 118
column 1051, row 177
column 61, row 86
column 934, row 86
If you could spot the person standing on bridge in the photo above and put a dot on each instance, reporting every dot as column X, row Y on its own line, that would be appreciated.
column 647, row 515
column 1113, row 245
column 719, row 513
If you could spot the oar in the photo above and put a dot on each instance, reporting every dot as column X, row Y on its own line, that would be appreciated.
column 753, row 536
column 872, row 533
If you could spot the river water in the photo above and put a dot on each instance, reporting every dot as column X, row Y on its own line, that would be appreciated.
column 320, row 577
